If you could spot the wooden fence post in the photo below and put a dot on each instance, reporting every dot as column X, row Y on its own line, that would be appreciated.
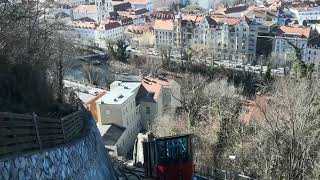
column 34, row 117
column 74, row 126
column 63, row 132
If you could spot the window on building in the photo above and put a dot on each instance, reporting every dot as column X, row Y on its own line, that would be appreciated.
column 147, row 110
column 108, row 112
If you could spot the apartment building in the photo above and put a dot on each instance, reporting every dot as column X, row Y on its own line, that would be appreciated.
column 306, row 14
column 227, row 38
column 93, row 34
column 130, row 105
column 109, row 31
column 138, row 16
column 312, row 53
column 298, row 36
column 164, row 33
column 85, row 31
column 140, row 35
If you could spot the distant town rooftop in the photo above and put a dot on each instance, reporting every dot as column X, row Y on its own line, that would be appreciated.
column 92, row 9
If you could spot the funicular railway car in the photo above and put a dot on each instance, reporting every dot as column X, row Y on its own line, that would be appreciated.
column 169, row 158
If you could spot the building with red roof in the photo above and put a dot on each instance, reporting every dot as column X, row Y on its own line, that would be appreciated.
column 160, row 95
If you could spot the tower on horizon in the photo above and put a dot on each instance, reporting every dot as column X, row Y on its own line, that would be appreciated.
column 104, row 7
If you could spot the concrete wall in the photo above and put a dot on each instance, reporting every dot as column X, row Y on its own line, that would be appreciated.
column 84, row 158
column 114, row 116
column 148, row 119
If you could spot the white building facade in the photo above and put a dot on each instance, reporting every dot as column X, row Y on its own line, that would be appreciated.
column 305, row 14
column 111, row 31
column 282, row 49
column 119, row 107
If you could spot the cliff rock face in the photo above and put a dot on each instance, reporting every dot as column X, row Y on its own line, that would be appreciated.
column 84, row 158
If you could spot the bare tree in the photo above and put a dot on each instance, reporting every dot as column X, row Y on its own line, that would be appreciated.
column 166, row 56
column 29, row 44
column 91, row 74
column 209, row 111
column 147, row 40
column 291, row 130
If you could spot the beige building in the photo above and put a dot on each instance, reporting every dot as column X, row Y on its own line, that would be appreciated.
column 118, row 107
column 164, row 33
column 129, row 106
column 160, row 95
column 108, row 31
column 140, row 35
column 226, row 38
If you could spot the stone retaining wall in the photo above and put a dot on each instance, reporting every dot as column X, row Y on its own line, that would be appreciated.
column 84, row 158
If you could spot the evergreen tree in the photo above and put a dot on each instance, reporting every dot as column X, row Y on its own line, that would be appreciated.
column 301, row 69
column 118, row 50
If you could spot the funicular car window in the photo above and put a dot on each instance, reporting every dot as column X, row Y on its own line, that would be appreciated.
column 170, row 150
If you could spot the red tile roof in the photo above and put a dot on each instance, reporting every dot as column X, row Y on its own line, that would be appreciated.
column 300, row 31
column 230, row 21
column 138, row 1
column 254, row 110
column 163, row 24
column 194, row 18
column 154, row 85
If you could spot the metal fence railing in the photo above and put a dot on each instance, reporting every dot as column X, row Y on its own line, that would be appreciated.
column 205, row 173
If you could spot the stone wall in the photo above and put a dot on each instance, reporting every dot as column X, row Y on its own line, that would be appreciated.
column 84, row 158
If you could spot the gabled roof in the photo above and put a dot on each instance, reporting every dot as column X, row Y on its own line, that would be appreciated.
column 154, row 86
column 126, row 21
column 294, row 31
column 236, row 9
column 246, row 19
column 61, row 15
column 139, row 29
column 230, row 21
column 211, row 21
column 83, row 24
column 120, row 6
column 163, row 24
column 138, row 1
column 110, row 25
column 163, row 15
column 140, row 11
column 193, row 18
column 315, row 41
column 86, row 9
column 114, row 15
